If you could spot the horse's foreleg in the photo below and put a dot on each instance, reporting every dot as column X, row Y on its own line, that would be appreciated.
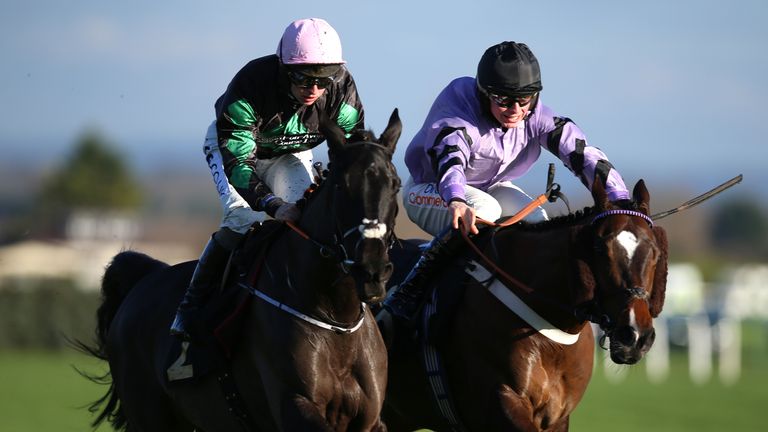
column 380, row 427
column 301, row 414
column 563, row 425
column 508, row 412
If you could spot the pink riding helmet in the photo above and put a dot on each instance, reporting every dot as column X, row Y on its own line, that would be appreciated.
column 310, row 41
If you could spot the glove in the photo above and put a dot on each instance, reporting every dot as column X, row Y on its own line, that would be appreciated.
column 287, row 212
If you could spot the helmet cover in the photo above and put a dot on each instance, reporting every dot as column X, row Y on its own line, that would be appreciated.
column 310, row 41
column 509, row 68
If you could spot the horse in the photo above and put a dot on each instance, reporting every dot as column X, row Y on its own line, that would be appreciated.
column 505, row 341
column 310, row 356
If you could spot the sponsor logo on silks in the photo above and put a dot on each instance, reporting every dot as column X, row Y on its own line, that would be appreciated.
column 431, row 188
column 426, row 200
column 267, row 147
column 222, row 184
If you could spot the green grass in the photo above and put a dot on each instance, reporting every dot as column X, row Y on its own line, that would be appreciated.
column 677, row 404
column 41, row 392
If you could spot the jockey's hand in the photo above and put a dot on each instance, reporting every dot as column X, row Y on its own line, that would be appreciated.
column 288, row 212
column 461, row 211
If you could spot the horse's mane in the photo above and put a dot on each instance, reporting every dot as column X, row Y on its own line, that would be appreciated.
column 569, row 219
column 361, row 134
column 356, row 135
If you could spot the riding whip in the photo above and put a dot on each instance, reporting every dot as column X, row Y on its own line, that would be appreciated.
column 699, row 199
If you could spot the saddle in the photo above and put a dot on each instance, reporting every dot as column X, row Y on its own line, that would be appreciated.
column 226, row 309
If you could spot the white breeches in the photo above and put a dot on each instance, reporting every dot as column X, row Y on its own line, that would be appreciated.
column 288, row 176
column 427, row 209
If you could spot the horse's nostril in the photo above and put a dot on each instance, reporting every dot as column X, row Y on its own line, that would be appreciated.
column 388, row 270
column 626, row 335
column 646, row 341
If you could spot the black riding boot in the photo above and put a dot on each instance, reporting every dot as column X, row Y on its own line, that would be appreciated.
column 203, row 282
column 406, row 299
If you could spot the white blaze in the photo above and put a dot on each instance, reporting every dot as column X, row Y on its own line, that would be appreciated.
column 628, row 241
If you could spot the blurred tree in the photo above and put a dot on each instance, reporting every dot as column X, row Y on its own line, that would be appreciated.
column 739, row 229
column 93, row 178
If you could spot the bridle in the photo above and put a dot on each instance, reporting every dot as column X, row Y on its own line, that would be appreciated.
column 337, row 250
column 588, row 312
column 366, row 229
column 593, row 312
column 606, row 213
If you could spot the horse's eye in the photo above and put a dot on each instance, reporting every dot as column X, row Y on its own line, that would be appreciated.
column 396, row 184
column 600, row 247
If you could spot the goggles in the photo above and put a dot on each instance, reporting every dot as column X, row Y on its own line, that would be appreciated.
column 509, row 101
column 306, row 81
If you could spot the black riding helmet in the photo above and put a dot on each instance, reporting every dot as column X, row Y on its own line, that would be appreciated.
column 509, row 69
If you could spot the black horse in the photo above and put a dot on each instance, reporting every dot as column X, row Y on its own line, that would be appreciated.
column 505, row 342
column 310, row 357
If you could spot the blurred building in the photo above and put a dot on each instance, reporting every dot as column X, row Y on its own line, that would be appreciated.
column 90, row 241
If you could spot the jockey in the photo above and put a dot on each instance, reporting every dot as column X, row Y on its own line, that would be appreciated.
column 480, row 134
column 259, row 147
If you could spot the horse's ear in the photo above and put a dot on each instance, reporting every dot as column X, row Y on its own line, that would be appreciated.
column 656, row 302
column 598, row 192
column 642, row 197
column 392, row 133
column 331, row 131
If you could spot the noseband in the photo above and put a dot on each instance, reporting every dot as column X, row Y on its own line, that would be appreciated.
column 368, row 229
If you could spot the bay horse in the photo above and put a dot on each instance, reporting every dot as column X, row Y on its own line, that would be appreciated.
column 514, row 352
column 310, row 356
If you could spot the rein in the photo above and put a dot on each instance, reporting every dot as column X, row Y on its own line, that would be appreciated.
column 519, row 306
column 551, row 194
column 602, row 320
column 489, row 262
column 517, row 217
column 508, row 279
column 325, row 250
column 368, row 229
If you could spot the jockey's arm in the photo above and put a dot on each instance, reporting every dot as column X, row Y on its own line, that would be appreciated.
column 350, row 114
column 236, row 127
column 568, row 142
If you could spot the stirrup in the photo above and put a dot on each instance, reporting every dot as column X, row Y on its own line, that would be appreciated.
column 179, row 330
column 183, row 321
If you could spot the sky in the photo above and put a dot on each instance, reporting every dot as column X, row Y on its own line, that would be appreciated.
column 673, row 91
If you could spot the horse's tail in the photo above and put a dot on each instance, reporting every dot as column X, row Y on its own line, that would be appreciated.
column 125, row 271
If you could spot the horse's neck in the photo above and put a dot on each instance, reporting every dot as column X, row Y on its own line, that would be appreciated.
column 318, row 222
column 318, row 281
column 544, row 262
column 536, row 256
